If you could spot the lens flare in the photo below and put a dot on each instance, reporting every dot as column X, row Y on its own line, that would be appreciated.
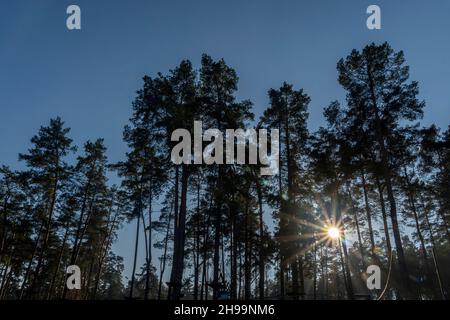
column 334, row 233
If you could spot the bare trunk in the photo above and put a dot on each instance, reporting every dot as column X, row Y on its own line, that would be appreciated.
column 55, row 273
column 247, row 259
column 261, row 243
column 136, row 245
column 105, row 246
column 196, row 250
column 433, row 252
column 30, row 263
column 46, row 235
column 175, row 231
column 178, row 262
column 234, row 253
column 164, row 257
column 384, row 214
column 368, row 213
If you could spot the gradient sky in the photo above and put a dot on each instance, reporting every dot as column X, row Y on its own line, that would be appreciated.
column 89, row 77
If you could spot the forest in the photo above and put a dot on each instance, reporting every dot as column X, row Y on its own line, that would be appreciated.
column 370, row 187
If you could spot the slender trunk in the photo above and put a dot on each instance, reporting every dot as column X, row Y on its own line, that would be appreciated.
column 57, row 270
column 358, row 229
column 222, row 259
column 196, row 250
column 4, row 224
column 216, row 260
column 368, row 213
column 105, row 246
column 217, row 235
column 81, row 230
column 240, row 271
column 315, row 269
column 282, row 226
column 261, row 242
column 84, row 229
column 30, row 263
column 234, row 253
column 412, row 203
column 326, row 271
column 76, row 242
column 47, row 233
column 89, row 279
column 301, row 276
column 7, row 271
column 322, row 272
column 6, row 281
column 149, row 249
column 444, row 220
column 345, row 260
column 247, row 262
column 164, row 257
column 178, row 263
column 433, row 253
column 147, row 260
column 136, row 245
column 206, row 279
column 444, row 213
column 350, row 291
column 175, row 232
column 204, row 287
column 419, row 232
column 292, row 227
column 384, row 214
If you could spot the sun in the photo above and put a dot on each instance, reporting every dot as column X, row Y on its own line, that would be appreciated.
column 333, row 233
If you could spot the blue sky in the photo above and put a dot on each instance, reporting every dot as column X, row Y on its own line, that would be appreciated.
column 89, row 77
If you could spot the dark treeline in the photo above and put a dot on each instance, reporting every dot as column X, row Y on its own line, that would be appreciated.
column 224, row 231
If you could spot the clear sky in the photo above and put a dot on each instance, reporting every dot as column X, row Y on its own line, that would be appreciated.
column 89, row 77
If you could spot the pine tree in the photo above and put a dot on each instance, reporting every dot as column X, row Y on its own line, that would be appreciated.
column 380, row 98
column 50, row 173
column 288, row 113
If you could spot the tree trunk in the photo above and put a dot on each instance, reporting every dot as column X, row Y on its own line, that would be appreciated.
column 345, row 260
column 6, row 276
column 162, row 267
column 384, row 214
column 216, row 258
column 175, row 232
column 217, row 235
column 234, row 253
column 5, row 222
column 81, row 229
column 30, row 263
column 436, row 264
column 147, row 260
column 196, row 250
column 47, row 233
column 261, row 242
column 417, row 222
column 247, row 258
column 368, row 213
column 204, row 287
column 105, row 246
column 178, row 262
column 55, row 273
column 136, row 245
